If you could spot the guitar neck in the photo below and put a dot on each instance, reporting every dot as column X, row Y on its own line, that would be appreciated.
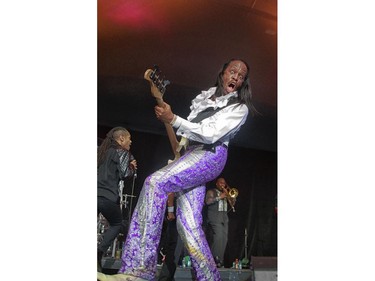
column 170, row 132
column 158, row 86
column 160, row 101
column 172, row 139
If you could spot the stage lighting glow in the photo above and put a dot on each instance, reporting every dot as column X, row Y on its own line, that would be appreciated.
column 135, row 15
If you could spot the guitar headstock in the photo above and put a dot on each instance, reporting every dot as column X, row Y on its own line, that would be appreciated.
column 158, row 84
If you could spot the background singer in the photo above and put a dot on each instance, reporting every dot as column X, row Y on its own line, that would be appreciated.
column 115, row 163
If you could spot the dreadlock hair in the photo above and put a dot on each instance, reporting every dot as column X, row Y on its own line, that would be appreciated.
column 244, row 92
column 109, row 141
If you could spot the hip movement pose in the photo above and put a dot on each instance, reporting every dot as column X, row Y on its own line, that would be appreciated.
column 216, row 116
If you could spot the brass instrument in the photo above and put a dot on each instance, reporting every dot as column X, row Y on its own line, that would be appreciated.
column 232, row 194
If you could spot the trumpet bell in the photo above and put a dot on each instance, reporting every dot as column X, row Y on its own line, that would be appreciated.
column 233, row 192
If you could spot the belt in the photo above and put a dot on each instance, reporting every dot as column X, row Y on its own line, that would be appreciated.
column 209, row 147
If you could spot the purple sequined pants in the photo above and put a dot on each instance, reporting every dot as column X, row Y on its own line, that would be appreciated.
column 186, row 176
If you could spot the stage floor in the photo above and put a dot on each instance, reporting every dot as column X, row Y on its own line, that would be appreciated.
column 111, row 266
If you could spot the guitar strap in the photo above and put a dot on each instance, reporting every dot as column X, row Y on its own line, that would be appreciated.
column 209, row 111
column 203, row 115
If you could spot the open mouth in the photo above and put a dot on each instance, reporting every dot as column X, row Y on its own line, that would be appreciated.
column 232, row 86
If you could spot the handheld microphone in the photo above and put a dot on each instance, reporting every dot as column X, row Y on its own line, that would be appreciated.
column 135, row 170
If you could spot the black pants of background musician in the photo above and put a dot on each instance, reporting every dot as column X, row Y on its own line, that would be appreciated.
column 173, row 249
column 218, row 233
column 169, row 246
column 112, row 212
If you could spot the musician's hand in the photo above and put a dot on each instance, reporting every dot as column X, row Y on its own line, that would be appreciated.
column 170, row 216
column 134, row 164
column 165, row 113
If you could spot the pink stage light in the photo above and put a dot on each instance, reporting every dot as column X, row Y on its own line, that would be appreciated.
column 136, row 15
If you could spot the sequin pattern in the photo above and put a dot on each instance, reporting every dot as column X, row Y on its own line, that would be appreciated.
column 187, row 176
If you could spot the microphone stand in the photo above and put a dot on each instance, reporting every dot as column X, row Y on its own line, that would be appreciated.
column 131, row 196
column 245, row 260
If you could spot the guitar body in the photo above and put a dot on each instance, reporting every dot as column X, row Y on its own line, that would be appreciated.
column 158, row 88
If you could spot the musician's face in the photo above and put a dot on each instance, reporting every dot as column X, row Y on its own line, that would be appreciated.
column 234, row 75
column 125, row 141
column 221, row 184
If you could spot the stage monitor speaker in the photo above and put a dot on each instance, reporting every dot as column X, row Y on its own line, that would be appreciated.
column 264, row 268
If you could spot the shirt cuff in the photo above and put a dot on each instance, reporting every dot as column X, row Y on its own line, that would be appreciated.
column 177, row 123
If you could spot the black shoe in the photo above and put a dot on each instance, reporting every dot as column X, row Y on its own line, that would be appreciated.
column 99, row 259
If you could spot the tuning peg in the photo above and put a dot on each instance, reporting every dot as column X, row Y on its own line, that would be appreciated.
column 152, row 74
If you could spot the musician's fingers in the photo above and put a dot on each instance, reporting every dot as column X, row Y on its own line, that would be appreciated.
column 157, row 112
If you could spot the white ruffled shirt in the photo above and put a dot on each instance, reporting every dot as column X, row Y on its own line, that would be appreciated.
column 222, row 126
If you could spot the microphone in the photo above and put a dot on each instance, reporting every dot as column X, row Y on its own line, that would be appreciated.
column 131, row 158
column 135, row 170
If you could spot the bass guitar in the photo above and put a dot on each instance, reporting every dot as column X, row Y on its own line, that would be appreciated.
column 158, row 88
